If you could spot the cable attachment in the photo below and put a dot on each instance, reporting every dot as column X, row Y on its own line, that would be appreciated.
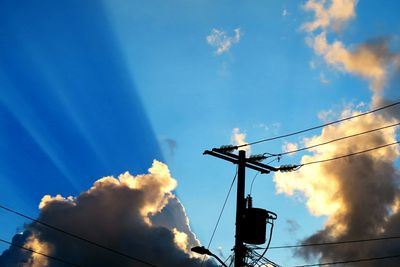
column 270, row 155
column 257, row 157
column 288, row 168
column 271, row 215
column 227, row 148
column 249, row 201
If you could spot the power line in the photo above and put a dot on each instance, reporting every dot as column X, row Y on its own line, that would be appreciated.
column 257, row 173
column 77, row 237
column 350, row 261
column 319, row 126
column 348, row 155
column 220, row 215
column 252, row 181
column 335, row 140
column 336, row 242
column 267, row 247
column 39, row 253
column 222, row 210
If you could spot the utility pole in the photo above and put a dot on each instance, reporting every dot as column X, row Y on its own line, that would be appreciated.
column 242, row 162
column 240, row 206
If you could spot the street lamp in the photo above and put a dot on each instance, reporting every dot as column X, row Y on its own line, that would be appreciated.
column 204, row 251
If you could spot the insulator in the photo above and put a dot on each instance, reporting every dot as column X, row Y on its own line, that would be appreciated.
column 288, row 168
column 227, row 148
column 258, row 157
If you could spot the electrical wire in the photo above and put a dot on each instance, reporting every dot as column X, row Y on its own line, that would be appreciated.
column 349, row 155
column 319, row 126
column 220, row 215
column 227, row 259
column 232, row 261
column 254, row 178
column 252, row 182
column 269, row 242
column 337, row 242
column 39, row 253
column 333, row 140
column 77, row 237
column 265, row 260
column 350, row 261
column 222, row 210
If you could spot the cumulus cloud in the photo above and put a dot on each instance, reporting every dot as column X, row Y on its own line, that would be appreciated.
column 373, row 61
column 222, row 41
column 333, row 16
column 137, row 215
column 239, row 138
column 287, row 147
column 358, row 195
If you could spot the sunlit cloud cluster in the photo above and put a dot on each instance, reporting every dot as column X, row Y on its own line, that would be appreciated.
column 373, row 61
column 321, row 183
column 136, row 215
column 359, row 195
column 329, row 14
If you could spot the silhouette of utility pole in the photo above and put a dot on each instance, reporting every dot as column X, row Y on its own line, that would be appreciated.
column 242, row 162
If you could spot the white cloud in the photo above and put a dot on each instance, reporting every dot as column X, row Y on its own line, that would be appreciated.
column 287, row 147
column 341, row 189
column 239, row 138
column 137, row 215
column 371, row 61
column 312, row 64
column 285, row 12
column 327, row 115
column 222, row 41
column 338, row 13
column 323, row 79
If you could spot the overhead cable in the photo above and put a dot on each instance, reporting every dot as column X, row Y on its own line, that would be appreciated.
column 220, row 214
column 40, row 253
column 267, row 247
column 349, row 155
column 350, row 261
column 78, row 237
column 333, row 140
column 320, row 126
column 291, row 167
column 222, row 211
column 337, row 242
column 257, row 173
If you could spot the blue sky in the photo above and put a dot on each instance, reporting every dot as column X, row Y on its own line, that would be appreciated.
column 94, row 89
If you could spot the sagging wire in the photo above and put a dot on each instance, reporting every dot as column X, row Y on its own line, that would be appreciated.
column 227, row 259
column 220, row 215
column 265, row 260
column 268, row 262
column 319, row 126
column 332, row 141
column 270, row 220
column 255, row 176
